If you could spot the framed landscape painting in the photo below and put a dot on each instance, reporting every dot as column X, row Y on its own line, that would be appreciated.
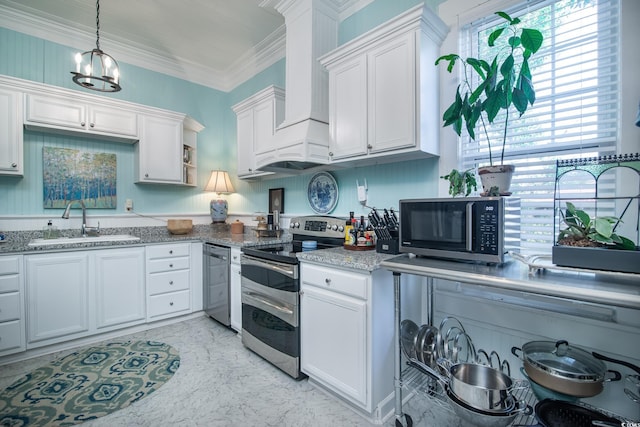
column 70, row 174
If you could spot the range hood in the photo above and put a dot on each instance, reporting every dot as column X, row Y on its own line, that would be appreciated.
column 301, row 142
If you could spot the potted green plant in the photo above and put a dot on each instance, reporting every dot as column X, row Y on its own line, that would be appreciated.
column 504, row 82
column 461, row 183
column 591, row 243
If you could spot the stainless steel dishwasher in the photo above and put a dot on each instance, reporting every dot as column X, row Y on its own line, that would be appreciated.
column 216, row 282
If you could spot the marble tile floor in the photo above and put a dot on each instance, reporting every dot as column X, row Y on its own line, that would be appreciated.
column 221, row 383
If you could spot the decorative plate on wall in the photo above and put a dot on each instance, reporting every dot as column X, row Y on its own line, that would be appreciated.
column 322, row 193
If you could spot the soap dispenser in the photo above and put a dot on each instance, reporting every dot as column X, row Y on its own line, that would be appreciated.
column 50, row 231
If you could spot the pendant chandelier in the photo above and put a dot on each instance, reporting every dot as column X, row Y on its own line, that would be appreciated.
column 95, row 69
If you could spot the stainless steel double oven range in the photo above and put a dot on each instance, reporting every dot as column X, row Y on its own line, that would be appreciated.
column 271, row 291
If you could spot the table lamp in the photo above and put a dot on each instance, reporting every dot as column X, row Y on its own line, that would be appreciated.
column 219, row 182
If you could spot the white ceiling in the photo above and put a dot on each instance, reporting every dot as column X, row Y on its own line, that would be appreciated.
column 217, row 43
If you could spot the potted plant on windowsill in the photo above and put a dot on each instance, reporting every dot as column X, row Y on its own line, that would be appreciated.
column 503, row 82
column 592, row 243
column 461, row 183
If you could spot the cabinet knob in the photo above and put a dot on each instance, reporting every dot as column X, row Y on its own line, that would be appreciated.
column 146, row 175
column 14, row 165
column 170, row 251
column 369, row 146
column 82, row 124
column 327, row 281
column 330, row 153
column 250, row 170
column 170, row 265
column 171, row 303
column 92, row 124
column 171, row 282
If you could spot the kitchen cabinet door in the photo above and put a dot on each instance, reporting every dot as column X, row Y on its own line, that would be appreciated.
column 160, row 150
column 67, row 113
column 348, row 109
column 235, row 291
column 11, row 140
column 57, row 297
column 257, row 118
column 120, row 287
column 334, row 341
column 392, row 95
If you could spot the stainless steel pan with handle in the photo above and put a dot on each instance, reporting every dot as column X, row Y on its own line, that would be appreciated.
column 564, row 368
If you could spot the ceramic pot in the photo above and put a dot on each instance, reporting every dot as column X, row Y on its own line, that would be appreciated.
column 496, row 176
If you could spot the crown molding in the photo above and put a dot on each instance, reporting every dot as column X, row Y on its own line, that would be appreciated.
column 82, row 38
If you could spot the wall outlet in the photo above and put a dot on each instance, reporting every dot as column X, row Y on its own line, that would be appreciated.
column 128, row 205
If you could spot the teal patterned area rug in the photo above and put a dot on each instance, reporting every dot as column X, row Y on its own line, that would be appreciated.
column 88, row 384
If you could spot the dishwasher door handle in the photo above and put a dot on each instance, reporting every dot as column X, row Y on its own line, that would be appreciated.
column 222, row 257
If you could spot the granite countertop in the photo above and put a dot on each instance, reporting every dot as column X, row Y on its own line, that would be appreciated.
column 340, row 257
column 18, row 241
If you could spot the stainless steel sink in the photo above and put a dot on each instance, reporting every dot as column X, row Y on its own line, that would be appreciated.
column 89, row 239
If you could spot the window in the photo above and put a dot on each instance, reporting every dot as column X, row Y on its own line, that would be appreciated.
column 575, row 75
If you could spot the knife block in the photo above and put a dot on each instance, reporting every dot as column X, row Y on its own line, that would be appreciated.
column 387, row 246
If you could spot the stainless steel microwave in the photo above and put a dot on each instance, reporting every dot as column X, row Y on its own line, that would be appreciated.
column 479, row 229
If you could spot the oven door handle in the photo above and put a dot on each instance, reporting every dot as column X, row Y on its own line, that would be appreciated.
column 288, row 270
column 263, row 299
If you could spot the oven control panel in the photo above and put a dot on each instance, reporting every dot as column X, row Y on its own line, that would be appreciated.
column 318, row 225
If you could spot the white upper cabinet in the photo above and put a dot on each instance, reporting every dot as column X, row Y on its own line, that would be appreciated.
column 166, row 152
column 159, row 150
column 383, row 91
column 11, row 143
column 166, row 149
column 257, row 119
column 70, row 114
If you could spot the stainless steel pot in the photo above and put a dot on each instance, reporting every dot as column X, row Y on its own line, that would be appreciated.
column 561, row 367
column 481, row 387
column 486, row 419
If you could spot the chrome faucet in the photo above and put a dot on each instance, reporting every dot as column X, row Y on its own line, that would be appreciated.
column 86, row 230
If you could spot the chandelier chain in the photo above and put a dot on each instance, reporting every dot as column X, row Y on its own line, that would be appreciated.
column 98, row 24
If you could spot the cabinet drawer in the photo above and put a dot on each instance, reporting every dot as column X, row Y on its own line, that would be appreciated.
column 10, row 335
column 336, row 280
column 9, row 306
column 9, row 283
column 159, row 283
column 160, row 305
column 166, row 251
column 167, row 264
column 9, row 265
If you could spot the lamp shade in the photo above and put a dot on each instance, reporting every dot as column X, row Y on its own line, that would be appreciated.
column 219, row 182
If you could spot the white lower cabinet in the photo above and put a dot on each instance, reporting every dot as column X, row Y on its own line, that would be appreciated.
column 119, row 290
column 76, row 294
column 168, row 280
column 57, row 297
column 346, row 321
column 235, row 291
column 12, row 321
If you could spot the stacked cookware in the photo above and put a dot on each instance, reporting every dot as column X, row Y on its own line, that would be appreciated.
column 480, row 394
column 478, row 386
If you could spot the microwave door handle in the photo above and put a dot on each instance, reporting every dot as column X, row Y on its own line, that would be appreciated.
column 469, row 236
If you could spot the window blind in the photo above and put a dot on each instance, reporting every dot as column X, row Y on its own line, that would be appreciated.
column 575, row 115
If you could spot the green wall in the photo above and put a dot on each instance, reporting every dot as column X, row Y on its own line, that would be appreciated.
column 39, row 60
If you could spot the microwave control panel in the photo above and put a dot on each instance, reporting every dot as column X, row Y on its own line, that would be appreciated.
column 487, row 227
